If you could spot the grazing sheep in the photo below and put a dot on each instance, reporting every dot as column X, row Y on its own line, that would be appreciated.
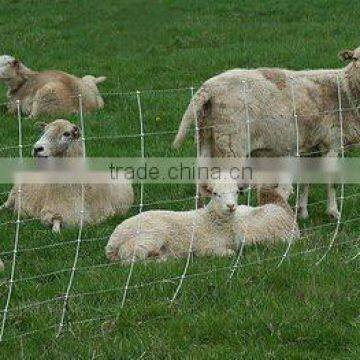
column 60, row 204
column 48, row 92
column 267, row 99
column 219, row 227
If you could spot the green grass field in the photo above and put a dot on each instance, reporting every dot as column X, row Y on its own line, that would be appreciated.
column 297, row 311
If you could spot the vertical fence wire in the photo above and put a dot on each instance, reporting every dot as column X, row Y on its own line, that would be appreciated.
column 141, row 205
column 342, row 149
column 194, row 224
column 243, row 238
column 17, row 228
column 291, row 241
column 81, row 225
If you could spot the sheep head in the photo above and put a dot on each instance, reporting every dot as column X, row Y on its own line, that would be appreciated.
column 11, row 69
column 351, row 56
column 224, row 195
column 59, row 139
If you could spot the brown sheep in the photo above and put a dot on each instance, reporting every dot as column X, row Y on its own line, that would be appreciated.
column 47, row 92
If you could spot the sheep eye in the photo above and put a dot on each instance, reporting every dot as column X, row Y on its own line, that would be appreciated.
column 216, row 194
column 67, row 134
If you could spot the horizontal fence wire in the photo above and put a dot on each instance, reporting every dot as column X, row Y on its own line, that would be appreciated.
column 108, row 264
column 171, row 280
column 94, row 239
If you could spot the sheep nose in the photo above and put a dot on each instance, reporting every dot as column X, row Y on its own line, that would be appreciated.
column 38, row 149
column 231, row 207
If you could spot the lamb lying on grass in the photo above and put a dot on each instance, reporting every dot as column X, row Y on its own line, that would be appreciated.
column 219, row 229
column 60, row 204
column 47, row 92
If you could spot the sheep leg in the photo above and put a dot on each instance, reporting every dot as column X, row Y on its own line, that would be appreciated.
column 303, row 201
column 54, row 220
column 34, row 108
column 56, row 226
column 224, row 252
column 112, row 252
column 139, row 250
column 332, row 208
column 162, row 258
column 10, row 202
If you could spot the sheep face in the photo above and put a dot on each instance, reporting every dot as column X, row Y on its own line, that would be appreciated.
column 224, row 196
column 353, row 58
column 8, row 67
column 56, row 139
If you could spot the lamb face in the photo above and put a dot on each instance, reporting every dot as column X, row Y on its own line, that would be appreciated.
column 58, row 136
column 224, row 196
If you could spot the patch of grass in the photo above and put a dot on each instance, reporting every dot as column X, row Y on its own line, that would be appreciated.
column 296, row 311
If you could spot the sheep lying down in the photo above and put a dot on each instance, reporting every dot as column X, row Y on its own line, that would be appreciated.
column 60, row 205
column 218, row 229
column 48, row 92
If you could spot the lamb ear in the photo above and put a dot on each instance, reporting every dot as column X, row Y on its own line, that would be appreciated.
column 241, row 186
column 100, row 79
column 205, row 189
column 346, row 55
column 16, row 64
column 75, row 132
column 40, row 125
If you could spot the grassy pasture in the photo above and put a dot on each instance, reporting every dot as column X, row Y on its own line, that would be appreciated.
column 296, row 311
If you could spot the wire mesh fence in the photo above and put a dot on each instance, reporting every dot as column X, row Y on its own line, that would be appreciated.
column 70, row 273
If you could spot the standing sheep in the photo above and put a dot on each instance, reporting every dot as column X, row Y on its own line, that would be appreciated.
column 60, row 204
column 217, row 229
column 48, row 92
column 267, row 101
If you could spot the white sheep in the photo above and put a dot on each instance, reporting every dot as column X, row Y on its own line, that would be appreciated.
column 218, row 229
column 60, row 204
column 267, row 101
column 47, row 92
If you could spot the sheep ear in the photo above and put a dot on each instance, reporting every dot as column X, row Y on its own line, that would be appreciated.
column 346, row 55
column 75, row 132
column 205, row 189
column 40, row 125
column 100, row 79
column 241, row 186
column 16, row 64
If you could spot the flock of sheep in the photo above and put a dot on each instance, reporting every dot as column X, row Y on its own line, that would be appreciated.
column 239, row 113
